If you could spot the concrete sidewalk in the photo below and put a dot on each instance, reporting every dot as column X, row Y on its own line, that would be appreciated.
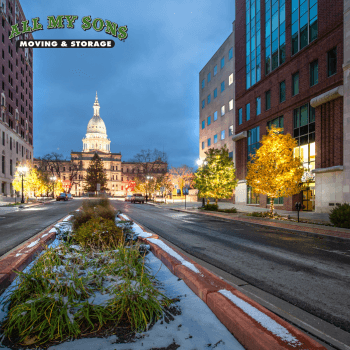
column 311, row 227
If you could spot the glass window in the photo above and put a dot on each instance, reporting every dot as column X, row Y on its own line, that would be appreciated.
column 216, row 138
column 209, row 120
column 268, row 100
column 209, row 77
column 304, row 23
column 223, row 135
column 222, row 64
column 314, row 73
column 203, row 124
column 252, row 197
column 215, row 70
column 230, row 53
column 282, row 91
column 332, row 61
column 258, row 105
column 240, row 116
column 223, row 110
column 209, row 142
column 215, row 93
column 295, row 84
column 203, row 104
column 248, row 111
column 215, row 115
column 223, row 86
column 230, row 130
column 203, row 145
column 253, row 141
column 209, row 97
column 203, row 83
column 277, row 122
column 230, row 105
column 230, row 79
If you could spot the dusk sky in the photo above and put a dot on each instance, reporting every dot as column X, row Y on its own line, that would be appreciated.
column 148, row 86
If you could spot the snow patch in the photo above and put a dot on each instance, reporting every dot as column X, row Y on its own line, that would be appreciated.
column 33, row 243
column 174, row 254
column 124, row 217
column 67, row 218
column 266, row 321
column 44, row 235
column 53, row 230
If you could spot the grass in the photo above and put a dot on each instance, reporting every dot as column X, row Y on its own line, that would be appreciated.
column 73, row 291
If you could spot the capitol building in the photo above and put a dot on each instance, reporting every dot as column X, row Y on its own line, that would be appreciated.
column 96, row 141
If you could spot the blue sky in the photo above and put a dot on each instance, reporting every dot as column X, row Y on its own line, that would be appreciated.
column 147, row 86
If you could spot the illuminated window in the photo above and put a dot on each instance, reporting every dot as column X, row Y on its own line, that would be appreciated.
column 222, row 111
column 230, row 105
column 230, row 130
column 253, row 43
column 230, row 79
column 304, row 23
column 304, row 133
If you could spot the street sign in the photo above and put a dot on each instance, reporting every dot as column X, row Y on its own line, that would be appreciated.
column 98, row 187
column 185, row 190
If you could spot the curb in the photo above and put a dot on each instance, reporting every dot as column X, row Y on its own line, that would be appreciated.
column 21, row 257
column 244, row 318
column 303, row 230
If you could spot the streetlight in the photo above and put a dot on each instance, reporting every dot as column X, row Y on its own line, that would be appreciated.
column 148, row 178
column 22, row 171
column 53, row 178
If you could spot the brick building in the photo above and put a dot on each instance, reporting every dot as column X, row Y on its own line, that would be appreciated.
column 289, row 72
column 16, row 114
column 119, row 174
column 216, row 97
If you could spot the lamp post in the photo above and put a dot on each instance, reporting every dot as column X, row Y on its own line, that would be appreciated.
column 22, row 171
column 53, row 178
column 148, row 178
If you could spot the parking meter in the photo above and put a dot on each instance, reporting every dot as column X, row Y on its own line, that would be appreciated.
column 298, row 207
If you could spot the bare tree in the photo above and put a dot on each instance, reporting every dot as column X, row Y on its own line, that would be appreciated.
column 182, row 176
column 150, row 162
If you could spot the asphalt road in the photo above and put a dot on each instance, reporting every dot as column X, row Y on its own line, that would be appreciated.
column 22, row 224
column 311, row 273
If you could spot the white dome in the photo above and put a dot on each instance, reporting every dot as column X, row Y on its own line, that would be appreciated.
column 96, row 125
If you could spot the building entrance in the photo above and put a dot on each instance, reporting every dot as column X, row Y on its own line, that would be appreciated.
column 309, row 197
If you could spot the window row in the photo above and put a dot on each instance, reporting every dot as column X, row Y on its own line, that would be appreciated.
column 215, row 92
column 222, row 136
column 215, row 114
column 222, row 64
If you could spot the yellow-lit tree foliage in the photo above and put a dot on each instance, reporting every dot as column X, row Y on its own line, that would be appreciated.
column 140, row 185
column 273, row 170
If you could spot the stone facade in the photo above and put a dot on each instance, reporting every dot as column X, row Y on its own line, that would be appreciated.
column 16, row 111
column 223, row 127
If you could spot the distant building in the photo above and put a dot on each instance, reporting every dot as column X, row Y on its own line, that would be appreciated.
column 216, row 99
column 119, row 174
column 289, row 72
column 16, row 113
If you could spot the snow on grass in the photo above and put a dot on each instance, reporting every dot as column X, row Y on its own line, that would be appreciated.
column 196, row 328
column 171, row 252
column 266, row 321
column 136, row 228
column 124, row 217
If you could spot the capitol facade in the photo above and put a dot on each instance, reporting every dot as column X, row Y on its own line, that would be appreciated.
column 119, row 173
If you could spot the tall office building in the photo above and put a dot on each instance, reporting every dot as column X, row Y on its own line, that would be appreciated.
column 289, row 73
column 16, row 115
column 216, row 99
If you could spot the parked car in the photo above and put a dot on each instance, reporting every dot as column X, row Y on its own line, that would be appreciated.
column 128, row 198
column 62, row 197
column 137, row 197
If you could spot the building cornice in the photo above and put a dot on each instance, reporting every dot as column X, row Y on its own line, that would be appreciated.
column 327, row 96
column 239, row 136
column 328, row 170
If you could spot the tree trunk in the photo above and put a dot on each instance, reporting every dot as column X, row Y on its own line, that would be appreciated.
column 208, row 201
column 271, row 206
column 216, row 201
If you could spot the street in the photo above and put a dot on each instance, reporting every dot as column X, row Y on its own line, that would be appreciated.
column 310, row 273
column 16, row 226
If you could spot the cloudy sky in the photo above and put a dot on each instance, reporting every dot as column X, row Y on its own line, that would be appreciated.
column 147, row 86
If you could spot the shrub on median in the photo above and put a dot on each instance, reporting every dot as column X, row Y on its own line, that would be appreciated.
column 211, row 207
column 340, row 216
